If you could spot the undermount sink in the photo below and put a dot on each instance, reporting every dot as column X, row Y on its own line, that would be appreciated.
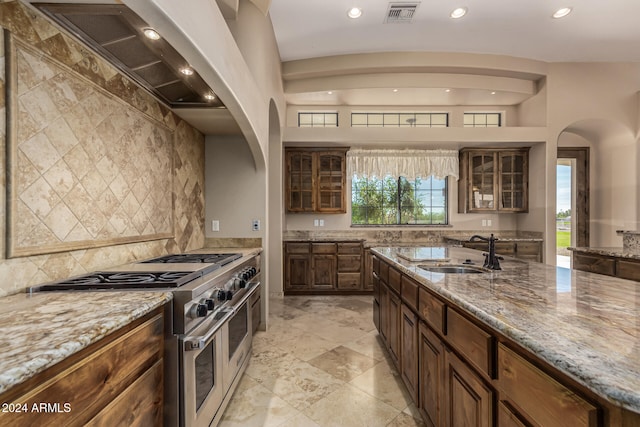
column 456, row 269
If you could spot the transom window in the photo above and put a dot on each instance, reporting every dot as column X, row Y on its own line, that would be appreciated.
column 318, row 119
column 482, row 120
column 395, row 201
column 399, row 120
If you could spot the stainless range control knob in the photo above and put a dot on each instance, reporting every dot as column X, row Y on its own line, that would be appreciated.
column 239, row 283
column 198, row 310
column 210, row 303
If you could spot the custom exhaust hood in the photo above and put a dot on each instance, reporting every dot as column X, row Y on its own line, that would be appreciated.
column 126, row 41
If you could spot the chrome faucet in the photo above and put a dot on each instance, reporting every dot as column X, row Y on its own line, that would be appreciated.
column 491, row 261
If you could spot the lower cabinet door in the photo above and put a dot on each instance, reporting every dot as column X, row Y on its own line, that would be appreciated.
column 409, row 351
column 394, row 328
column 469, row 401
column 431, row 351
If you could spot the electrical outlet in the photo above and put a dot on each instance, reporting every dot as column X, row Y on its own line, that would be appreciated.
column 315, row 222
column 484, row 222
column 255, row 225
column 489, row 223
column 215, row 225
column 322, row 223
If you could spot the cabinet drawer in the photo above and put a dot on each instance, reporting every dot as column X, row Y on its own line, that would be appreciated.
column 527, row 248
column 594, row 264
column 349, row 248
column 349, row 281
column 144, row 396
column 474, row 343
column 394, row 279
column 431, row 309
column 544, row 400
column 628, row 270
column 409, row 292
column 323, row 248
column 349, row 263
column 297, row 248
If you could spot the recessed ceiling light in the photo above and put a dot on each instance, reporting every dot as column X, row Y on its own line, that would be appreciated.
column 447, row 90
column 151, row 34
column 209, row 96
column 186, row 71
column 493, row 93
column 354, row 12
column 395, row 90
column 329, row 93
column 458, row 12
column 561, row 13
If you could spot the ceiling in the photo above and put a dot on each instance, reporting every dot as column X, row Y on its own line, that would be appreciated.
column 596, row 30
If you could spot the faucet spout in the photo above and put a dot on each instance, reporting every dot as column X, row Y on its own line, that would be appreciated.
column 491, row 261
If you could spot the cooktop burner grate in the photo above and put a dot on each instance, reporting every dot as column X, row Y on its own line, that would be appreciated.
column 124, row 280
column 219, row 259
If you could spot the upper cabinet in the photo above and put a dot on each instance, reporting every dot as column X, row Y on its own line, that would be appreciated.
column 493, row 180
column 315, row 180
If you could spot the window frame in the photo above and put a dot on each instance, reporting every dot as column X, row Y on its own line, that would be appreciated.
column 399, row 206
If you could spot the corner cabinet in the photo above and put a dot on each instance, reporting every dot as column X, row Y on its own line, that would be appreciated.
column 315, row 180
column 493, row 180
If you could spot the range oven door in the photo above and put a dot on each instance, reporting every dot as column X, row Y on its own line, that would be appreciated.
column 202, row 384
column 236, row 339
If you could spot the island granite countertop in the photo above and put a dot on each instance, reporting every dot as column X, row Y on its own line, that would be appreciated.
column 42, row 329
column 586, row 325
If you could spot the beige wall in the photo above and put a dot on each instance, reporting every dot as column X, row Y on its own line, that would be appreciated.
column 186, row 146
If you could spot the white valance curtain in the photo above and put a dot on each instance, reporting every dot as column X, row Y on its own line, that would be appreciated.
column 410, row 164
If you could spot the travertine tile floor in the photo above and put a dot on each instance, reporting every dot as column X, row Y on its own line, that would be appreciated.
column 320, row 364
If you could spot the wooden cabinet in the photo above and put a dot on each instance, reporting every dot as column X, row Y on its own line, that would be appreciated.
column 431, row 380
column 540, row 398
column 323, row 267
column 409, row 350
column 528, row 250
column 461, row 372
column 116, row 381
column 493, row 180
column 315, row 180
column 624, row 268
column 468, row 400
column 394, row 317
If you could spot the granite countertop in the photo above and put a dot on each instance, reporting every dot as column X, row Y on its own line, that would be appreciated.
column 609, row 251
column 42, row 329
column 500, row 239
column 586, row 325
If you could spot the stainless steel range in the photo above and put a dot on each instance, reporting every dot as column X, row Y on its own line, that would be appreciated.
column 208, row 339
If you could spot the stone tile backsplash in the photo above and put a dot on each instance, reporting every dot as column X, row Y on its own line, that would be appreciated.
column 95, row 161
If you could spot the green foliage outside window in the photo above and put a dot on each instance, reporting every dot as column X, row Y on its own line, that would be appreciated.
column 391, row 201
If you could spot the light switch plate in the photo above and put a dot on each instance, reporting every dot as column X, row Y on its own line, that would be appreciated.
column 255, row 225
column 215, row 225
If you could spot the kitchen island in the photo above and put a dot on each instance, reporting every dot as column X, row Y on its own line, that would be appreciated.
column 543, row 345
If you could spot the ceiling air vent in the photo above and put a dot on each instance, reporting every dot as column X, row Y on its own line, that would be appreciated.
column 400, row 13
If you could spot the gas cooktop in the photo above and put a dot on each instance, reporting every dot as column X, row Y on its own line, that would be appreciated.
column 218, row 259
column 123, row 280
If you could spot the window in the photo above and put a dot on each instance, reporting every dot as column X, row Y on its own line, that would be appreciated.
column 400, row 120
column 482, row 120
column 392, row 201
column 322, row 120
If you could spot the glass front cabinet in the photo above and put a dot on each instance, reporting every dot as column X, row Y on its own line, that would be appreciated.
column 493, row 180
column 315, row 180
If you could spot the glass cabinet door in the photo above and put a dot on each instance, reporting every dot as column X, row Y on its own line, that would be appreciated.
column 482, row 173
column 330, row 182
column 300, row 194
column 512, row 181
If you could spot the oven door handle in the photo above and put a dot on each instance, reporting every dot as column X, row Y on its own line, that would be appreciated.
column 192, row 343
